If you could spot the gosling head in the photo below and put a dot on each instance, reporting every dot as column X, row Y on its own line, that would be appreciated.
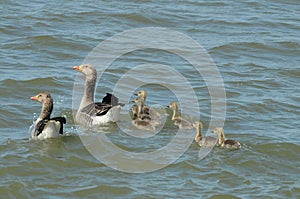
column 141, row 93
column 138, row 101
column 218, row 131
column 173, row 105
column 86, row 69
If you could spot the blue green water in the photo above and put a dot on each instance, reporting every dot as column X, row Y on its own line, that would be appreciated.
column 254, row 44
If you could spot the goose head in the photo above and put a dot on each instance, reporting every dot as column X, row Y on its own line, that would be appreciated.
column 219, row 131
column 42, row 97
column 142, row 94
column 47, row 104
column 87, row 69
column 173, row 105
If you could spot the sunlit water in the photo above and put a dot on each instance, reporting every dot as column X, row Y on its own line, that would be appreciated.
column 255, row 45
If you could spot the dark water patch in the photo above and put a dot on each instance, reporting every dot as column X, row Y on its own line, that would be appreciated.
column 134, row 18
column 240, row 48
column 224, row 196
column 293, row 72
column 33, row 87
column 282, row 151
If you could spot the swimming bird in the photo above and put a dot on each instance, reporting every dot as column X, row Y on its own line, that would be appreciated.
column 44, row 126
column 139, row 109
column 178, row 120
column 95, row 113
column 226, row 143
column 139, row 106
column 200, row 139
column 140, row 122
column 142, row 95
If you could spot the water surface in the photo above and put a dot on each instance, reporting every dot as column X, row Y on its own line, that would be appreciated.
column 255, row 45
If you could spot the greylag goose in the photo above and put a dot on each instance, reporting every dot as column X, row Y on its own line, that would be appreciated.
column 203, row 141
column 44, row 126
column 178, row 120
column 95, row 113
column 140, row 122
column 226, row 143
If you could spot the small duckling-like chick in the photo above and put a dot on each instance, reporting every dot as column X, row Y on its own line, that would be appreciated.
column 178, row 120
column 140, row 109
column 136, row 115
column 140, row 122
column 142, row 95
column 226, row 143
column 199, row 136
column 203, row 141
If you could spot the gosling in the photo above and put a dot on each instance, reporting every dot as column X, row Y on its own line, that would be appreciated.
column 178, row 120
column 203, row 141
column 140, row 122
column 226, row 143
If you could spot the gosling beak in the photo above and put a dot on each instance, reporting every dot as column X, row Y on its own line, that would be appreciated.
column 34, row 97
column 78, row 68
column 135, row 94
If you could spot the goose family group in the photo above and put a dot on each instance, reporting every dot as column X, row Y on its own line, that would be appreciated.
column 91, row 113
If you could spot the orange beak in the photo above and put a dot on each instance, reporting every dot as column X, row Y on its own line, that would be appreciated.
column 78, row 68
column 34, row 97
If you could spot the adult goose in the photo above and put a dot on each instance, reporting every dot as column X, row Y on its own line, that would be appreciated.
column 92, row 113
column 178, row 120
column 200, row 139
column 44, row 126
column 226, row 143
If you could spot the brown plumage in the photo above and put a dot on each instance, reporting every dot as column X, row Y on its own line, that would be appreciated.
column 95, row 113
column 200, row 139
column 178, row 120
column 226, row 143
column 46, row 127
column 141, row 121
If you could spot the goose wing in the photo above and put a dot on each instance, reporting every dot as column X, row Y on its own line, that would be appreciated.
column 111, row 99
column 40, row 127
column 101, row 108
column 61, row 120
column 96, row 109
